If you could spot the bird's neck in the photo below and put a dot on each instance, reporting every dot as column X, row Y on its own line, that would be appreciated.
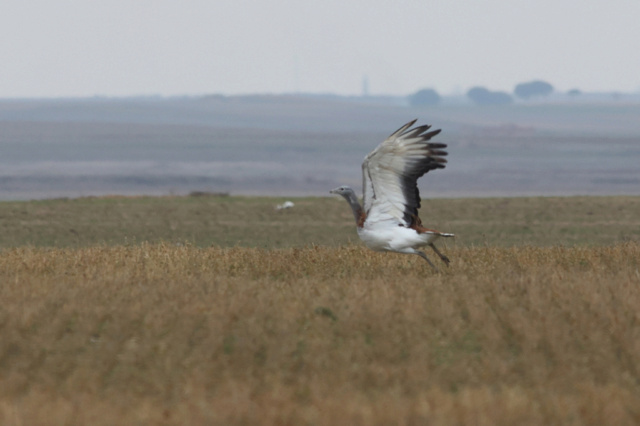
column 358, row 213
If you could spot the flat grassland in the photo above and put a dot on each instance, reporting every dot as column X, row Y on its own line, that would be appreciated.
column 205, row 310
column 255, row 222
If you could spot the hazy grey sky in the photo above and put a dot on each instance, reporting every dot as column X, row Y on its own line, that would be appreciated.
column 137, row 47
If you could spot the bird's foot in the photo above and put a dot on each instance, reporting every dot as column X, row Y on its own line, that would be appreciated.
column 424, row 256
column 444, row 258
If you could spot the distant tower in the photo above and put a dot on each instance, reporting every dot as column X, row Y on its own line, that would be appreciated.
column 365, row 86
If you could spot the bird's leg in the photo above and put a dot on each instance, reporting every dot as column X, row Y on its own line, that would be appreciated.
column 444, row 258
column 424, row 256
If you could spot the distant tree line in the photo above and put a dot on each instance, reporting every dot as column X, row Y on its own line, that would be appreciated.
column 424, row 97
column 483, row 96
column 533, row 89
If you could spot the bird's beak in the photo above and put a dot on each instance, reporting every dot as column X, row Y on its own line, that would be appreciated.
column 333, row 191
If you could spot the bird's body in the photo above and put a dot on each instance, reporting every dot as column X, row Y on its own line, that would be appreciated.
column 388, row 219
column 390, row 237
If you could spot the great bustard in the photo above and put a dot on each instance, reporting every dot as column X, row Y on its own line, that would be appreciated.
column 389, row 219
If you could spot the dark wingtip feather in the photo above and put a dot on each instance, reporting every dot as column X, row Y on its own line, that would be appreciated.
column 432, row 133
column 436, row 145
column 403, row 128
column 418, row 131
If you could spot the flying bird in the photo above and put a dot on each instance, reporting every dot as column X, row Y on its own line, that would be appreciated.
column 388, row 219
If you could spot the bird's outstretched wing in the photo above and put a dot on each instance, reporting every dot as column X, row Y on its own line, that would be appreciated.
column 391, row 171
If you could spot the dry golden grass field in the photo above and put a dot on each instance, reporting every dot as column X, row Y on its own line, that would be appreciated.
column 223, row 311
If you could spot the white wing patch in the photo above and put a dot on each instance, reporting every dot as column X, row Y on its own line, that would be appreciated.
column 390, row 173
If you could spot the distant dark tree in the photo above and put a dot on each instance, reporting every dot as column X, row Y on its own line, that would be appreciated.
column 574, row 92
column 482, row 96
column 424, row 97
column 533, row 89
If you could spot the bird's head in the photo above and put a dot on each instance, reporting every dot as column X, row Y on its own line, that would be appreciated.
column 342, row 190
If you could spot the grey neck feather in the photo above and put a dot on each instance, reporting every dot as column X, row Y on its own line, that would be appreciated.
column 355, row 204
